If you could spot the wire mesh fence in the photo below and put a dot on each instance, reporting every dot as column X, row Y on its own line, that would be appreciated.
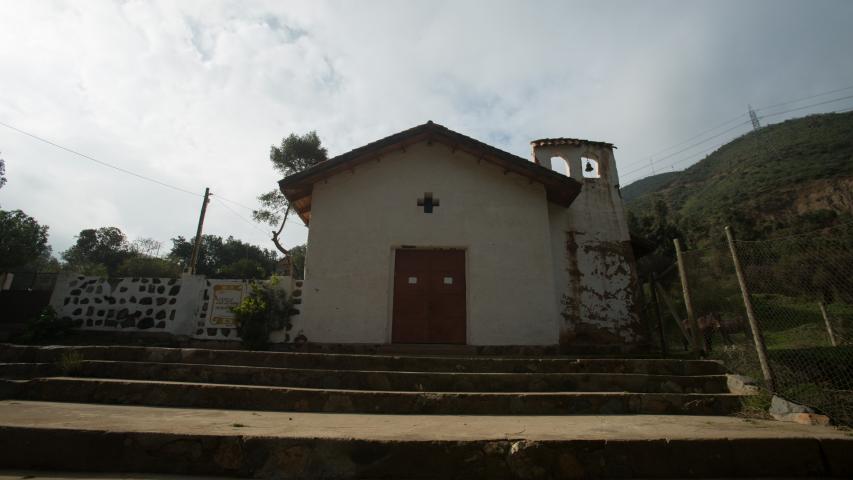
column 801, row 291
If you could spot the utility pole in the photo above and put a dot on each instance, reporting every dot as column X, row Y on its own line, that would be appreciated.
column 197, row 243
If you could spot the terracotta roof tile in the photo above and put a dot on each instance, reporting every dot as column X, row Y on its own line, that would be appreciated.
column 543, row 142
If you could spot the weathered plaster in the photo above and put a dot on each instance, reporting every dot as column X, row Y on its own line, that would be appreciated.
column 594, row 268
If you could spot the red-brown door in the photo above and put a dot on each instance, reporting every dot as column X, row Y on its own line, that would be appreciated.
column 429, row 296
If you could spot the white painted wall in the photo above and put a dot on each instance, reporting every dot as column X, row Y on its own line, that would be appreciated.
column 168, row 305
column 181, row 307
column 359, row 217
column 595, row 271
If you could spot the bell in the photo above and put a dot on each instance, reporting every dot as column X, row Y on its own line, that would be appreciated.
column 589, row 167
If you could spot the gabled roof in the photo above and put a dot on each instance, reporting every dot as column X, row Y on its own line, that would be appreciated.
column 297, row 188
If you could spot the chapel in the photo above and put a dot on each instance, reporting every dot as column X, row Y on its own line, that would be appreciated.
column 429, row 236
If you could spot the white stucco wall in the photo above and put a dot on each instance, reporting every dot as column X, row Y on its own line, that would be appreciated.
column 358, row 218
column 168, row 305
column 190, row 306
column 595, row 272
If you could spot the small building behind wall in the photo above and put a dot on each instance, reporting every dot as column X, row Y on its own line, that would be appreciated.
column 430, row 236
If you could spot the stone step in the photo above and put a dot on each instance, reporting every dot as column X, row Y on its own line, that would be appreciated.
column 246, row 397
column 324, row 361
column 111, row 438
column 377, row 380
column 90, row 475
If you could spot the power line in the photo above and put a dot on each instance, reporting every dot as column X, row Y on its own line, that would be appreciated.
column 234, row 212
column 691, row 146
column 677, row 162
column 100, row 162
column 807, row 106
column 237, row 203
column 123, row 170
column 651, row 157
column 698, row 135
column 644, row 167
column 654, row 161
column 803, row 98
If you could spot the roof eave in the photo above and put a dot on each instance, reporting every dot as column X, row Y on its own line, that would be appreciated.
column 559, row 188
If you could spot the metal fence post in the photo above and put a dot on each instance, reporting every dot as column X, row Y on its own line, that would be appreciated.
column 832, row 340
column 656, row 308
column 757, row 337
column 698, row 344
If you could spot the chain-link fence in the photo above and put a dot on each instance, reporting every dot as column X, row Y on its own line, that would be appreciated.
column 801, row 291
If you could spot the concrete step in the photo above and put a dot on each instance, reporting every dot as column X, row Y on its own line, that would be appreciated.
column 324, row 361
column 377, row 380
column 90, row 475
column 246, row 397
column 8, row 331
column 103, row 438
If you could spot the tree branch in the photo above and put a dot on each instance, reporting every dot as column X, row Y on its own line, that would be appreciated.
column 276, row 234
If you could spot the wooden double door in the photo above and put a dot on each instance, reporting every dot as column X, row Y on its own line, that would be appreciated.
column 429, row 296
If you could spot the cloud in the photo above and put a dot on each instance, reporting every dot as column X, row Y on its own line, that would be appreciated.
column 194, row 93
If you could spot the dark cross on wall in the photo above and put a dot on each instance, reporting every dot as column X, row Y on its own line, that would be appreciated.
column 428, row 202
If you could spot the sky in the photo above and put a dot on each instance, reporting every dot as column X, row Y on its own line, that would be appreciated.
column 194, row 93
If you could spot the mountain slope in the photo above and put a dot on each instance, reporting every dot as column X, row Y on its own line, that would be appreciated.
column 647, row 185
column 785, row 176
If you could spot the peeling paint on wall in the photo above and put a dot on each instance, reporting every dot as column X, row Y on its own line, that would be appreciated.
column 595, row 269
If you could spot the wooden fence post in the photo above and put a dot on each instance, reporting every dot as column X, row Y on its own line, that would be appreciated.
column 758, row 338
column 831, row 333
column 698, row 344
column 656, row 308
column 672, row 311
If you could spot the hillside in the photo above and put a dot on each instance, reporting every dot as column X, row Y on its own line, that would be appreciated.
column 647, row 185
column 790, row 176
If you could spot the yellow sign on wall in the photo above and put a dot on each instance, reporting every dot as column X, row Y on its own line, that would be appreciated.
column 225, row 297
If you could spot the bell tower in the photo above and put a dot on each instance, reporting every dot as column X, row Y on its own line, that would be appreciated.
column 595, row 271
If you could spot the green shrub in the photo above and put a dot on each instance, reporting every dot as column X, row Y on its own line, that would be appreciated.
column 70, row 363
column 47, row 326
column 266, row 309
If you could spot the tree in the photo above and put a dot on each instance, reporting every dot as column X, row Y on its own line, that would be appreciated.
column 106, row 246
column 22, row 239
column 244, row 268
column 219, row 258
column 208, row 256
column 297, row 258
column 658, row 229
column 45, row 263
column 147, row 247
column 154, row 267
column 2, row 172
column 296, row 153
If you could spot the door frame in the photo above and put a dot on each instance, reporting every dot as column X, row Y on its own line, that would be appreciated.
column 392, row 254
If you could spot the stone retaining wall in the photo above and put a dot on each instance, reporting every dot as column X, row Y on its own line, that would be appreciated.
column 191, row 306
